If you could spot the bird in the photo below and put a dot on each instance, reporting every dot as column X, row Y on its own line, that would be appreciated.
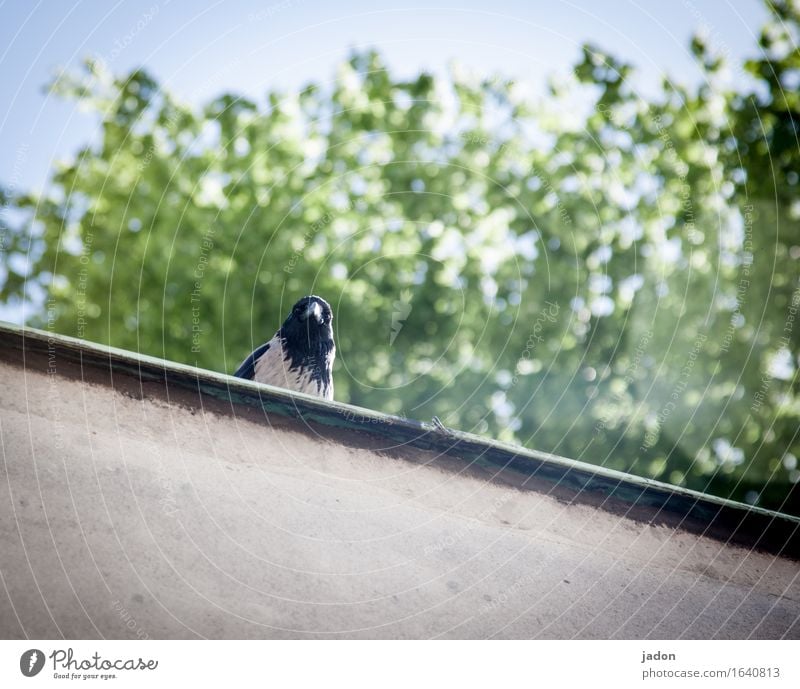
column 300, row 355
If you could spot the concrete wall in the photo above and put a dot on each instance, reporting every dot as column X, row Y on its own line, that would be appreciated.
column 127, row 512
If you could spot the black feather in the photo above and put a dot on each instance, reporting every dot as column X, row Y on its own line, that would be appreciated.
column 248, row 366
column 307, row 347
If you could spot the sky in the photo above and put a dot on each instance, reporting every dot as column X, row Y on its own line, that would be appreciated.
column 199, row 49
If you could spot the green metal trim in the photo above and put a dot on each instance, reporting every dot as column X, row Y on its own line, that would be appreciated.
column 691, row 510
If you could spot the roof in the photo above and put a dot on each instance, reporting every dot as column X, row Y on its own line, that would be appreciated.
column 619, row 492
column 226, row 508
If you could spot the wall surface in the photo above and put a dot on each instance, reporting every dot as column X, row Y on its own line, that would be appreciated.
column 127, row 512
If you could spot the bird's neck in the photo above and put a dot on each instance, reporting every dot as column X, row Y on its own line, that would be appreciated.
column 304, row 352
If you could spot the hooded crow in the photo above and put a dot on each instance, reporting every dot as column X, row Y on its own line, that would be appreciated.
column 300, row 355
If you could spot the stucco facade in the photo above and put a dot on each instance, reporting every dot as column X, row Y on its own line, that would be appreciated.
column 146, row 500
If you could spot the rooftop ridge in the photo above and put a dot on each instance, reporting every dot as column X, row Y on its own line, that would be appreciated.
column 566, row 479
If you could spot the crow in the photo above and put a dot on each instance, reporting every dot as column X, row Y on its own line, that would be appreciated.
column 300, row 355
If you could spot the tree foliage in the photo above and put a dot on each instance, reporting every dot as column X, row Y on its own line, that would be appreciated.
column 594, row 273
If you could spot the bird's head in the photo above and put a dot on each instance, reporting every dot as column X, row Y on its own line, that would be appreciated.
column 310, row 324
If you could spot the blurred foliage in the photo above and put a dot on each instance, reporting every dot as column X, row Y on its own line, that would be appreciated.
column 592, row 273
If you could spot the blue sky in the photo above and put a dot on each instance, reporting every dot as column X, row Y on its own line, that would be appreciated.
column 198, row 49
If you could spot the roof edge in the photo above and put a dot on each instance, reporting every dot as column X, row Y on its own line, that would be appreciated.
column 570, row 480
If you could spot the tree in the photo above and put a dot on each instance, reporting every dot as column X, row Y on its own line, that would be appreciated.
column 615, row 282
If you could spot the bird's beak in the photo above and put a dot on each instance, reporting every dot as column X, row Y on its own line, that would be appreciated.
column 315, row 310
